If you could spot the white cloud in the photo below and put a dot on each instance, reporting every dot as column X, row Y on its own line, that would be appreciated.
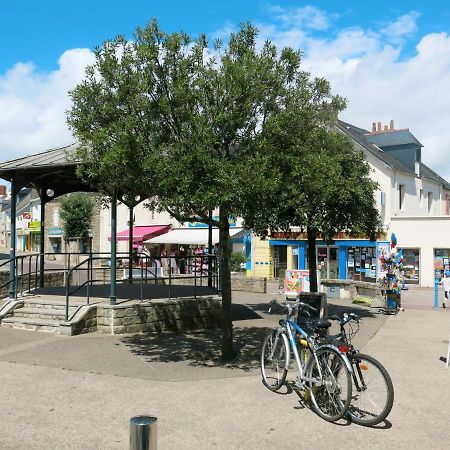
column 33, row 104
column 379, row 81
column 402, row 26
column 308, row 17
column 365, row 66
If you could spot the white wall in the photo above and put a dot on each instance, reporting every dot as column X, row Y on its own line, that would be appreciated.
column 427, row 234
column 142, row 216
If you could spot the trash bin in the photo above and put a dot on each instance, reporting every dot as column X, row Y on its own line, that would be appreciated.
column 306, row 317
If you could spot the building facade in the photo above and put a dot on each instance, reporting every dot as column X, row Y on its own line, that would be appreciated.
column 413, row 202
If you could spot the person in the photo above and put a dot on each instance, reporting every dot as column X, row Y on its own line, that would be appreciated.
column 446, row 284
column 164, row 260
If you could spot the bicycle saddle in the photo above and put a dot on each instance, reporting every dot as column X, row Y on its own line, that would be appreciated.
column 322, row 324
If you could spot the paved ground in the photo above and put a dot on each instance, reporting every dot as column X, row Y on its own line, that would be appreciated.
column 79, row 392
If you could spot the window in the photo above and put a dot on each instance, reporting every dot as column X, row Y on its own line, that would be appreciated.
column 56, row 218
column 447, row 205
column 401, row 196
column 411, row 264
column 430, row 201
column 421, row 197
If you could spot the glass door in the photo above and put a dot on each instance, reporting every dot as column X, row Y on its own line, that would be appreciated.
column 327, row 262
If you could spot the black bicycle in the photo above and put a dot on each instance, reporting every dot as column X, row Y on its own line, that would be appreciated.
column 373, row 392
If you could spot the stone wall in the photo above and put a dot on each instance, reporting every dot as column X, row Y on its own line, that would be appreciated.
column 156, row 316
column 50, row 279
column 248, row 284
column 87, row 324
column 350, row 289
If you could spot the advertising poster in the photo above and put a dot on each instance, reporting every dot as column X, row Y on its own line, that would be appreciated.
column 383, row 248
column 295, row 281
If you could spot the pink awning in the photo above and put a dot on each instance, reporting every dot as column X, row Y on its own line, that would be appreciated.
column 142, row 232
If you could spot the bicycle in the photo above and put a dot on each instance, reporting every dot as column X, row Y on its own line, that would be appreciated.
column 373, row 391
column 323, row 371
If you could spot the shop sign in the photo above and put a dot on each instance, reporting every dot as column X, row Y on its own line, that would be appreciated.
column 232, row 222
column 55, row 231
column 34, row 224
column 26, row 216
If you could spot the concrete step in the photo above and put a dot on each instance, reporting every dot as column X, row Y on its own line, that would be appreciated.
column 41, row 313
column 42, row 304
column 31, row 324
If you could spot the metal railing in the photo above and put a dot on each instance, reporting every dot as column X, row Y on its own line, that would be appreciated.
column 148, row 270
column 145, row 269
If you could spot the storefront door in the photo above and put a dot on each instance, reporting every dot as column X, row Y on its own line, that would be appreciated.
column 327, row 262
column 279, row 260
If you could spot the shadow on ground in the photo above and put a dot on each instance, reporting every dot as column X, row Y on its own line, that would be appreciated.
column 203, row 348
column 333, row 309
column 200, row 348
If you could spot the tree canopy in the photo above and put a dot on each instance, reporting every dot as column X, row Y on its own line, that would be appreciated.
column 236, row 126
column 76, row 215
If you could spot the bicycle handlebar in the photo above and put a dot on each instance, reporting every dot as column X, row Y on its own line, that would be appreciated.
column 345, row 318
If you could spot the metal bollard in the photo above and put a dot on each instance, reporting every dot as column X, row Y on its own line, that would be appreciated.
column 143, row 433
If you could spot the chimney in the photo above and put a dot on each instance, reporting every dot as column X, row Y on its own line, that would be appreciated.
column 391, row 125
column 374, row 127
column 379, row 127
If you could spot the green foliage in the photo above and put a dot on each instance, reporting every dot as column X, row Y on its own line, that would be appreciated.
column 239, row 127
column 76, row 215
column 236, row 259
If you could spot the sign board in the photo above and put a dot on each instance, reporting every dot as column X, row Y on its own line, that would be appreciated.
column 232, row 221
column 55, row 231
column 383, row 248
column 295, row 281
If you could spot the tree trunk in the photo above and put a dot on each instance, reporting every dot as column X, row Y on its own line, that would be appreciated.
column 224, row 259
column 312, row 259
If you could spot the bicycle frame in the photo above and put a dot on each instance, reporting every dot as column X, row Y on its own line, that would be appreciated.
column 291, row 327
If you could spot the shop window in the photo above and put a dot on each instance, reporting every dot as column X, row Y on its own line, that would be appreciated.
column 361, row 263
column 401, row 196
column 441, row 261
column 411, row 265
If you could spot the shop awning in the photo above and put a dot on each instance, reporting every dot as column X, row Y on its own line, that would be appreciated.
column 189, row 236
column 142, row 232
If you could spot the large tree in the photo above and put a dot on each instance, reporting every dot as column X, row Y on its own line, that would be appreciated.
column 199, row 127
column 320, row 181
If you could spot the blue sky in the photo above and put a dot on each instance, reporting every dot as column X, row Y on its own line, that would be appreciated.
column 391, row 60
column 40, row 31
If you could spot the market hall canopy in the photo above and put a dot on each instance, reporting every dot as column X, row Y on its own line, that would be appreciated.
column 142, row 232
column 189, row 236
column 52, row 173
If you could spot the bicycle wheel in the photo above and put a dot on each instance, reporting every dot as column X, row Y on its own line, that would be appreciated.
column 331, row 388
column 373, row 391
column 274, row 354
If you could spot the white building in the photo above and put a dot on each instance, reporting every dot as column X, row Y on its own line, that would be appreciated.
column 413, row 202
